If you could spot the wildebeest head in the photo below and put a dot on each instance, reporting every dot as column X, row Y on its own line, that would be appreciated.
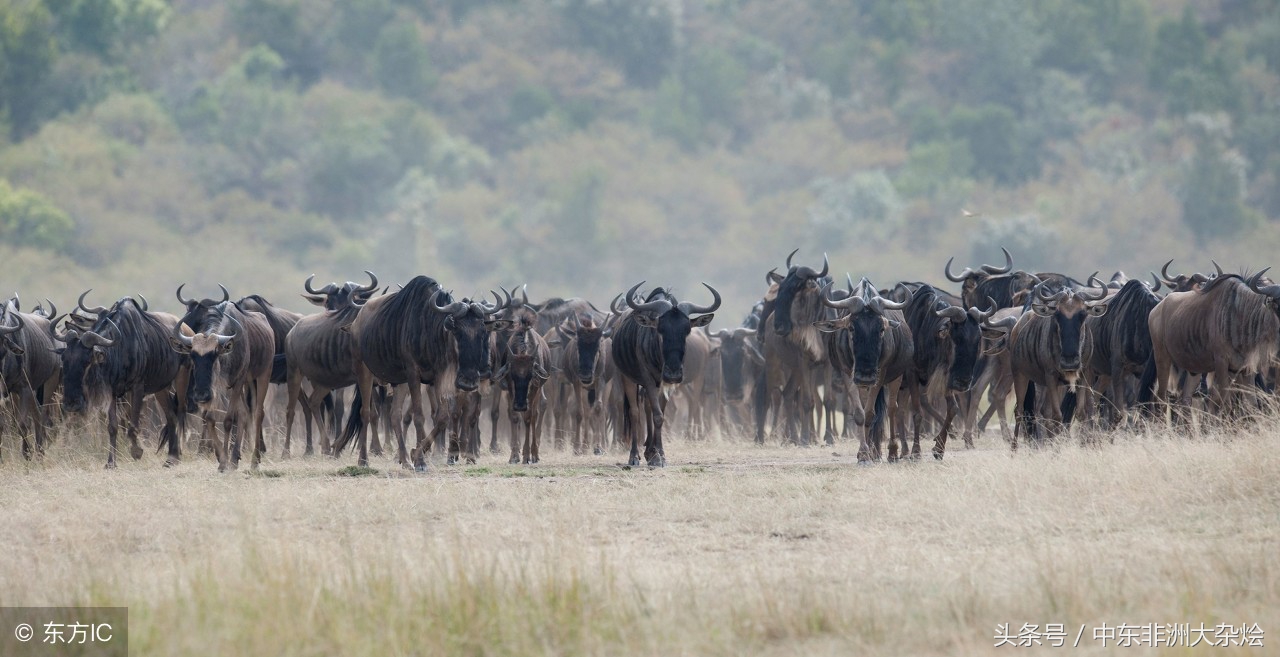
column 523, row 369
column 82, row 350
column 672, row 320
column 737, row 347
column 215, row 336
column 335, row 297
column 866, row 323
column 959, row 336
column 587, row 334
column 1067, row 310
column 969, row 279
column 197, row 311
column 1181, row 282
column 1262, row 285
column 798, row 298
column 469, row 323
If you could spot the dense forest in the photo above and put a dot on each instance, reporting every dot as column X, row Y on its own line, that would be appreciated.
column 582, row 145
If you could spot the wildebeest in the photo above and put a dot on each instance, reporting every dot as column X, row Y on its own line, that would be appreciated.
column 795, row 352
column 1226, row 328
column 948, row 343
column 989, row 282
column 525, row 372
column 231, row 355
column 648, row 350
column 872, row 347
column 29, row 370
column 1049, row 348
column 582, row 355
column 319, row 349
column 740, row 365
column 1181, row 282
column 408, row 337
column 1121, row 344
column 126, row 354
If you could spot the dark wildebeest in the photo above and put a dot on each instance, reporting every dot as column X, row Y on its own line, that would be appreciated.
column 1121, row 345
column 648, row 350
column 795, row 351
column 525, row 372
column 990, row 282
column 902, row 291
column 740, row 366
column 408, row 337
column 29, row 370
column 518, row 316
column 231, row 355
column 1226, row 328
column 319, row 349
column 581, row 365
column 871, row 347
column 126, row 354
column 1181, row 282
column 948, row 343
column 1048, row 348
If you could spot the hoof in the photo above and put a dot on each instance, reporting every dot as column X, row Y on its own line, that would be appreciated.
column 515, row 460
column 284, row 455
column 597, row 451
column 111, row 465
column 420, row 468
column 633, row 461
column 937, row 456
column 136, row 452
column 471, row 460
column 451, row 460
column 534, row 460
column 658, row 462
column 171, row 461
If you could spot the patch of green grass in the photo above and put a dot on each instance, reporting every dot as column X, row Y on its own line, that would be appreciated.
column 694, row 469
column 516, row 473
column 477, row 472
column 357, row 471
column 269, row 474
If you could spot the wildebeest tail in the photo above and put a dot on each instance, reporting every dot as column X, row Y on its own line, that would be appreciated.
column 877, row 423
column 1068, row 407
column 354, row 424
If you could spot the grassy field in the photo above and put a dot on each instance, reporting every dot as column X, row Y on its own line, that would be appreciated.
column 730, row 550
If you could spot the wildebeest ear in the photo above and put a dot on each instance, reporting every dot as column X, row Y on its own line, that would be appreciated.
column 1098, row 310
column 647, row 321
column 496, row 324
column 554, row 343
column 893, row 323
column 501, row 373
column 831, row 325
column 317, row 299
column 996, row 346
column 178, row 346
column 703, row 320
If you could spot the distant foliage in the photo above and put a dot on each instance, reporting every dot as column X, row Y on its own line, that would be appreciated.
column 29, row 219
column 636, row 35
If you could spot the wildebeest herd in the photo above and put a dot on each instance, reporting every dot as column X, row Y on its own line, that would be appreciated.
column 812, row 356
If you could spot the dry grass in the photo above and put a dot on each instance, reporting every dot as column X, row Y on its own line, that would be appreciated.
column 731, row 550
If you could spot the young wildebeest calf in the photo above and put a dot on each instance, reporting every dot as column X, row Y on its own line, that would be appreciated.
column 525, row 372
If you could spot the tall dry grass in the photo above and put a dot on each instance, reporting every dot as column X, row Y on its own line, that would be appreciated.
column 731, row 550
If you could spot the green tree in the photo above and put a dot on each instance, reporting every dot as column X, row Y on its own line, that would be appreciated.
column 401, row 63
column 997, row 143
column 636, row 35
column 29, row 219
column 1213, row 190
column 27, row 54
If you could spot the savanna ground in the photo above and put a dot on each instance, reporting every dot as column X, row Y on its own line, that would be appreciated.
column 732, row 549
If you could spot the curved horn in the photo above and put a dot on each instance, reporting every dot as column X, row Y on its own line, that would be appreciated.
column 7, row 330
column 952, row 313
column 1094, row 282
column 659, row 306
column 885, row 304
column 237, row 329
column 789, row 256
column 690, row 309
column 177, row 334
column 768, row 276
column 53, row 310
column 524, row 294
column 980, row 316
column 956, row 278
column 306, row 285
column 1008, row 264
column 92, row 339
column 826, row 267
column 452, row 308
column 853, row 303
column 1272, row 291
column 1003, row 324
column 613, row 305
column 1155, row 282
column 373, row 284
column 1042, row 291
column 66, row 336
column 184, row 302
column 1217, row 267
column 96, row 310
column 1164, row 272
column 226, row 296
column 145, row 305
column 489, row 311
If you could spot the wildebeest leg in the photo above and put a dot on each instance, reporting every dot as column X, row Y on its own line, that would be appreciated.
column 315, row 402
column 940, row 443
column 515, row 439
column 113, row 417
column 31, row 409
column 495, row 410
column 631, row 421
column 136, row 397
column 864, row 427
column 1020, row 417
column 653, row 452
column 169, row 431
column 535, row 413
column 379, row 402
column 294, row 379
column 424, row 442
column 259, row 410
